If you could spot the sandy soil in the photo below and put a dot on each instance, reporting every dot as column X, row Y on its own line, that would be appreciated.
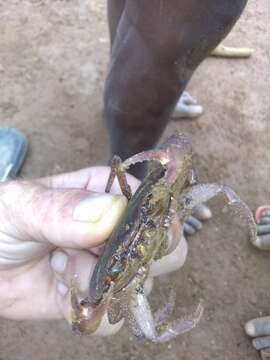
column 53, row 58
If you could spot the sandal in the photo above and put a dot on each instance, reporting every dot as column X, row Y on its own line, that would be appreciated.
column 13, row 148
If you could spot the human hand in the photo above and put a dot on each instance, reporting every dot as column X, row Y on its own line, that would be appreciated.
column 43, row 224
column 50, row 229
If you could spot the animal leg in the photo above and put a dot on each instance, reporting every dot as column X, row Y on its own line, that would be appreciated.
column 197, row 194
column 117, row 171
column 169, row 330
column 157, row 47
column 163, row 330
column 162, row 315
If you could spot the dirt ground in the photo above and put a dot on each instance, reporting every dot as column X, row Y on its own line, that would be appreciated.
column 53, row 58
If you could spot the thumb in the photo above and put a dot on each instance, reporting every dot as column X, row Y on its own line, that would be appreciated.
column 63, row 217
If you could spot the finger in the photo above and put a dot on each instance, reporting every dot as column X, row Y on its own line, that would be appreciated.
column 29, row 292
column 258, row 327
column 33, row 291
column 69, row 264
column 62, row 217
column 171, row 262
column 15, row 253
column 261, row 342
column 93, row 178
column 97, row 250
column 79, row 264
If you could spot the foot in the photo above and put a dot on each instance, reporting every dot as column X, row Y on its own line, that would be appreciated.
column 194, row 222
column 262, row 216
column 187, row 107
column 259, row 329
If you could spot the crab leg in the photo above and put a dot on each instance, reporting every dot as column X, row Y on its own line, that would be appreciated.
column 150, row 155
column 162, row 154
column 162, row 331
column 154, row 327
column 117, row 171
column 179, row 326
column 197, row 194
column 162, row 315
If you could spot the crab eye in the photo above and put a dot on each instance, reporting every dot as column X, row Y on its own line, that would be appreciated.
column 187, row 200
column 116, row 269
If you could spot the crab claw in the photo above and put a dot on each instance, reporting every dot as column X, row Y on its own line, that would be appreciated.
column 86, row 317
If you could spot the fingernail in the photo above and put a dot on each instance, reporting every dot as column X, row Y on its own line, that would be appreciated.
column 62, row 288
column 93, row 208
column 59, row 261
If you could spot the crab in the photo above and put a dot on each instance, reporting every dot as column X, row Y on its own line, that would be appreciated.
column 169, row 191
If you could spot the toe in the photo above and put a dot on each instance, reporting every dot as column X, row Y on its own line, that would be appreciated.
column 262, row 242
column 187, row 111
column 263, row 229
column 202, row 212
column 195, row 223
column 261, row 342
column 187, row 107
column 188, row 229
column 265, row 354
column 188, row 99
column 258, row 327
column 261, row 212
column 264, row 220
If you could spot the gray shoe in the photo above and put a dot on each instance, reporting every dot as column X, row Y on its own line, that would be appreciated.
column 13, row 148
